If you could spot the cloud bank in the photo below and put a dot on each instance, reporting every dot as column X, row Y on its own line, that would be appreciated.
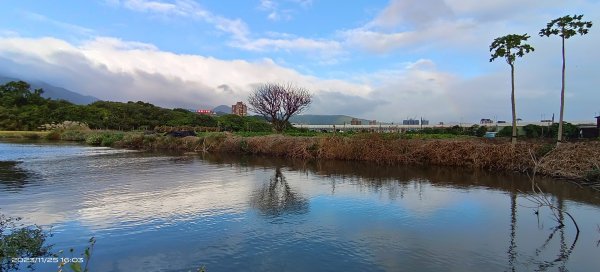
column 112, row 69
column 447, row 76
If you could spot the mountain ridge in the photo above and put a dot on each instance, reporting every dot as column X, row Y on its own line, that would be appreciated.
column 316, row 119
column 54, row 92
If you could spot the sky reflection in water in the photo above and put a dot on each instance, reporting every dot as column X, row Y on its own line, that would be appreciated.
column 175, row 213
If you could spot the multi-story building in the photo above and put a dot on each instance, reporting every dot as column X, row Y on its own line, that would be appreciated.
column 355, row 121
column 410, row 122
column 205, row 112
column 239, row 109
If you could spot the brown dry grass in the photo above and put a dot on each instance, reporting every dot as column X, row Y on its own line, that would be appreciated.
column 570, row 160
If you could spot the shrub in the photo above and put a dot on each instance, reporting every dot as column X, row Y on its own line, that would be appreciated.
column 570, row 131
column 53, row 135
column 108, row 139
column 544, row 149
column 31, row 136
column 73, row 135
column 532, row 131
column 258, row 126
column 94, row 139
column 480, row 132
column 505, row 132
column 132, row 140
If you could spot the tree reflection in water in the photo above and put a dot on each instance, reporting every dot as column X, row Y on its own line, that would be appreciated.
column 12, row 176
column 276, row 198
column 564, row 250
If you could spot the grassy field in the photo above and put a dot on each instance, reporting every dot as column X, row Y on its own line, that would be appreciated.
column 23, row 134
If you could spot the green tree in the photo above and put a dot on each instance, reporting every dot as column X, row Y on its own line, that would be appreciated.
column 565, row 27
column 510, row 47
column 231, row 122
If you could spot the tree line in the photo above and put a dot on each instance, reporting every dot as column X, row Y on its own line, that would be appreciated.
column 24, row 109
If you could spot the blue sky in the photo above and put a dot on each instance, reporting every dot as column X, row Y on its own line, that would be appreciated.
column 384, row 60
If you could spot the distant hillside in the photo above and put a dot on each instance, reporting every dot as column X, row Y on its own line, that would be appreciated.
column 222, row 109
column 310, row 119
column 54, row 92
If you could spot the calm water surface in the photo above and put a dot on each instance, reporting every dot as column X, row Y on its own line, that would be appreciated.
column 161, row 212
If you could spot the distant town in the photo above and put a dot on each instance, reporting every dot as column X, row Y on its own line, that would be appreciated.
column 588, row 128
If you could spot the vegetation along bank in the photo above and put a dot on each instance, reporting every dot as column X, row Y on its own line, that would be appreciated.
column 578, row 161
column 143, row 126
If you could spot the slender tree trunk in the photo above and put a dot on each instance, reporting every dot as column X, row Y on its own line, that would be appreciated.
column 562, row 96
column 514, row 110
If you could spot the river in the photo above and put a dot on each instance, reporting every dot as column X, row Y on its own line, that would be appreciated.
column 174, row 212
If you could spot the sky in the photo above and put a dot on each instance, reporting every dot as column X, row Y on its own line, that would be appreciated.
column 373, row 59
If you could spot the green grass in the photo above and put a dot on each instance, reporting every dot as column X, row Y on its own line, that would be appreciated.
column 251, row 133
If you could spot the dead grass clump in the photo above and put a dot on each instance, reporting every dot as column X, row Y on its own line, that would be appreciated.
column 572, row 160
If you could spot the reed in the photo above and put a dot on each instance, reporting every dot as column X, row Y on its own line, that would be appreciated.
column 579, row 160
column 570, row 160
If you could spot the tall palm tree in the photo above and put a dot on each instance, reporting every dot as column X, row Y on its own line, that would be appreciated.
column 510, row 47
column 565, row 27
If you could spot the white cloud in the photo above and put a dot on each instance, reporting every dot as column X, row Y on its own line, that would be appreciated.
column 438, row 33
column 437, row 24
column 273, row 10
column 116, row 70
column 277, row 13
column 113, row 69
column 329, row 47
column 187, row 9
column 241, row 37
column 69, row 27
column 411, row 13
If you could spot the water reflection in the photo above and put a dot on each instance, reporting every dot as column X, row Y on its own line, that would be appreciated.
column 275, row 197
column 13, row 177
column 565, row 250
column 396, row 180
column 512, row 249
column 164, row 212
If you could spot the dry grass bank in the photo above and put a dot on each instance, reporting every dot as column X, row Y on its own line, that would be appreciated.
column 579, row 160
column 569, row 160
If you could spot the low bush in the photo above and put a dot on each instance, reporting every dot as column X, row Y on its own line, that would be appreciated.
column 94, row 139
column 74, row 135
column 505, row 132
column 53, row 135
column 109, row 139
column 131, row 140
column 103, row 138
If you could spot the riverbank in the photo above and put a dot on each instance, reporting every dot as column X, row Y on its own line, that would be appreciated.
column 32, row 135
column 574, row 161
column 577, row 161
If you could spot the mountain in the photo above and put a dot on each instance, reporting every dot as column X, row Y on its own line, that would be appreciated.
column 222, row 109
column 54, row 92
column 310, row 119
